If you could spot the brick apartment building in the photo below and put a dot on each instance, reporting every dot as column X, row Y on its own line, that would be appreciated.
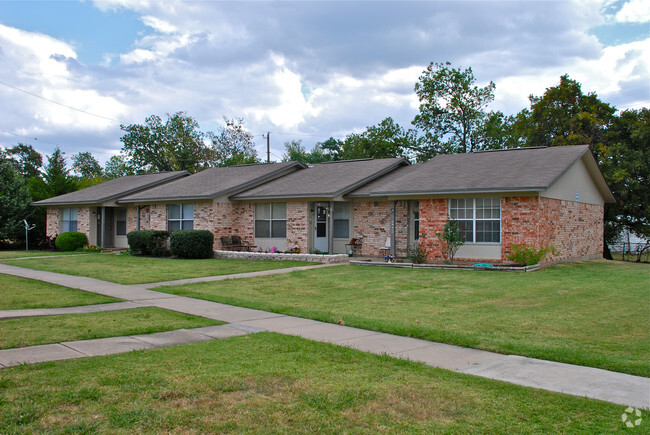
column 533, row 196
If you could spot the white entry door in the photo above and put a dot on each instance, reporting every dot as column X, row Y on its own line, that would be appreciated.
column 321, row 228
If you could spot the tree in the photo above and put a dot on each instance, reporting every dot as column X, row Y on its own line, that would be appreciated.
column 57, row 175
column 117, row 166
column 86, row 166
column 233, row 145
column 15, row 203
column 176, row 145
column 384, row 140
column 564, row 115
column 451, row 108
column 25, row 160
column 625, row 163
column 451, row 239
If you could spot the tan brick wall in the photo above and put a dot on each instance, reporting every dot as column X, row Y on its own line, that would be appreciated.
column 372, row 225
column 298, row 225
column 233, row 219
column 158, row 217
column 83, row 221
column 132, row 219
column 53, row 221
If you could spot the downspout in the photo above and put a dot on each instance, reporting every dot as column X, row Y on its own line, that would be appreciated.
column 137, row 225
column 393, row 242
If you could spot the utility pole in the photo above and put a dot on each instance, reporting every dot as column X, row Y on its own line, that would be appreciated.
column 268, row 147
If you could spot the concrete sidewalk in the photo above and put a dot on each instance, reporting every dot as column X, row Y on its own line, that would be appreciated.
column 623, row 389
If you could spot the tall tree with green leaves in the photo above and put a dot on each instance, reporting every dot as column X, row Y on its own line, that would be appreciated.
column 86, row 165
column 175, row 145
column 233, row 145
column 385, row 140
column 25, row 159
column 117, row 166
column 15, row 203
column 564, row 115
column 451, row 109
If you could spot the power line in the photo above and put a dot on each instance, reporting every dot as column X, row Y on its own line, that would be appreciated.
column 61, row 104
column 53, row 143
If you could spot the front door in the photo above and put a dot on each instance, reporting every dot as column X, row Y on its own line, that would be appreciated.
column 321, row 229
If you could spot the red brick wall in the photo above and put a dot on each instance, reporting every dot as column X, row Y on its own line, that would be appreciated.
column 372, row 225
column 298, row 225
column 433, row 215
column 574, row 229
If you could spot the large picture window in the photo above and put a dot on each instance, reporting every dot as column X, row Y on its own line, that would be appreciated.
column 479, row 218
column 271, row 220
column 68, row 220
column 341, row 220
column 180, row 217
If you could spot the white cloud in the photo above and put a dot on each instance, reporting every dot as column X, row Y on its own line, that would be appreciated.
column 634, row 11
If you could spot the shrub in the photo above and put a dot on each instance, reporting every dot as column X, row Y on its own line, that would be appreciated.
column 451, row 239
column 529, row 255
column 191, row 243
column 417, row 254
column 148, row 242
column 70, row 241
column 91, row 248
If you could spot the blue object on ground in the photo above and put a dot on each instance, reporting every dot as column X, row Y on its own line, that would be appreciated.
column 482, row 265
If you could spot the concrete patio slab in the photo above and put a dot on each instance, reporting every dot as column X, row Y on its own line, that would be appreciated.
column 108, row 346
column 81, row 309
column 36, row 354
column 627, row 390
column 446, row 356
column 172, row 338
column 280, row 323
column 328, row 333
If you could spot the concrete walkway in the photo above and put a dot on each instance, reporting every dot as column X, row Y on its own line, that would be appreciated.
column 623, row 389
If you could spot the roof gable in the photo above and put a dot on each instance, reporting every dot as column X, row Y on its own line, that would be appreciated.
column 324, row 180
column 214, row 182
column 113, row 189
column 514, row 170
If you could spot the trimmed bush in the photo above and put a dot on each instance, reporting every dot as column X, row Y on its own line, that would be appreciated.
column 70, row 241
column 191, row 243
column 148, row 242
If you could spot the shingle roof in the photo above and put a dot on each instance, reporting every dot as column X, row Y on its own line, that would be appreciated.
column 214, row 182
column 523, row 169
column 324, row 180
column 113, row 189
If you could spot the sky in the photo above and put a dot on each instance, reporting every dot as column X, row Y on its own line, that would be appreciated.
column 72, row 71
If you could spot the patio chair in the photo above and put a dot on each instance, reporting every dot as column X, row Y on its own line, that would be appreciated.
column 239, row 244
column 385, row 250
column 226, row 243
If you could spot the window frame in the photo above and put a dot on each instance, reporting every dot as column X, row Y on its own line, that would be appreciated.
column 184, row 223
column 66, row 224
column 118, row 221
column 337, row 223
column 269, row 221
column 473, row 219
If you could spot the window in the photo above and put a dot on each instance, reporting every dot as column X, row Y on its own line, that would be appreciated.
column 479, row 219
column 68, row 220
column 341, row 220
column 271, row 220
column 120, row 220
column 180, row 217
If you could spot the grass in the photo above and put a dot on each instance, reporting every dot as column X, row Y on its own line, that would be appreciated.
column 592, row 313
column 70, row 327
column 21, row 254
column 20, row 293
column 268, row 383
column 128, row 269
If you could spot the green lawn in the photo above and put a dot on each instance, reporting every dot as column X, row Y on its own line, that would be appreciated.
column 20, row 293
column 268, row 383
column 591, row 313
column 128, row 269
column 31, row 331
column 21, row 254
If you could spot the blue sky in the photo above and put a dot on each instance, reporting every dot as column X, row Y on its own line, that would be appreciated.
column 301, row 70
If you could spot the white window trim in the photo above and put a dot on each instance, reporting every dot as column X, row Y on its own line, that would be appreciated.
column 76, row 220
column 181, row 218
column 475, row 219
